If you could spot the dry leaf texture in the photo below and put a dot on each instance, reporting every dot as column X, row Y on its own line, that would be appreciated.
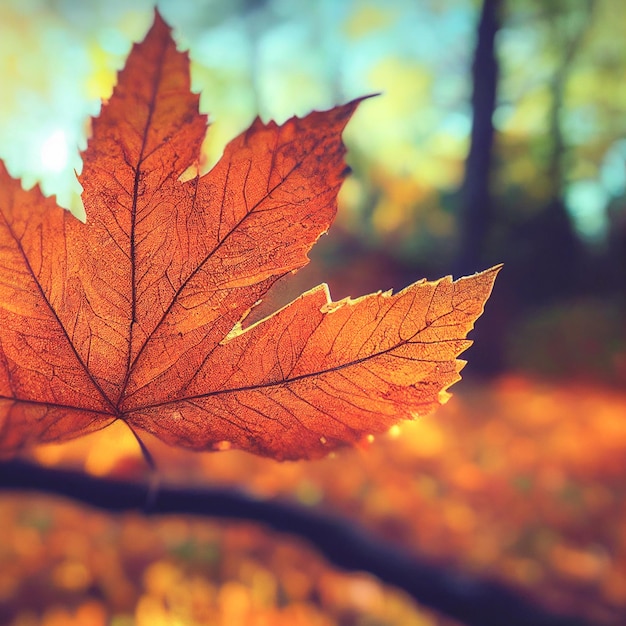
column 136, row 314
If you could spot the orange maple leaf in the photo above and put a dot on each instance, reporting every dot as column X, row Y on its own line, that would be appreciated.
column 137, row 314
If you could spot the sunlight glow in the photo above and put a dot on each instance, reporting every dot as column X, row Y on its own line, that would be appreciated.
column 394, row 431
column 54, row 153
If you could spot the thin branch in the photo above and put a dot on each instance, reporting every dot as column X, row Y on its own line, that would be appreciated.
column 473, row 601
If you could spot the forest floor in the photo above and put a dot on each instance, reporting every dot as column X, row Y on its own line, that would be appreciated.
column 516, row 480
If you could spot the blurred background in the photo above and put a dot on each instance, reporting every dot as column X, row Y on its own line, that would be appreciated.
column 499, row 135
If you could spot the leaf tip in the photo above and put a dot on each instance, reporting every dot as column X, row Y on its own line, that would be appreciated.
column 492, row 272
column 443, row 396
column 158, row 21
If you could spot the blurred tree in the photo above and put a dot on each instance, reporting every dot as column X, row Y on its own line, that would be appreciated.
column 475, row 209
column 475, row 201
column 548, row 254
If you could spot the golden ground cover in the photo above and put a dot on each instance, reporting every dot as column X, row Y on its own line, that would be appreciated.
column 515, row 480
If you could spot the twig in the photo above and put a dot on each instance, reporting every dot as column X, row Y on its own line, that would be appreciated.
column 473, row 601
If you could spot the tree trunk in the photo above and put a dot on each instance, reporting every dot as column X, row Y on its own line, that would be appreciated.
column 475, row 195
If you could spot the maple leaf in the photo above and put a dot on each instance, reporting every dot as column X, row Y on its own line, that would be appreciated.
column 137, row 314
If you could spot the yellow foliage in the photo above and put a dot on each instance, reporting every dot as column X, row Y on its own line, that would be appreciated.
column 368, row 18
